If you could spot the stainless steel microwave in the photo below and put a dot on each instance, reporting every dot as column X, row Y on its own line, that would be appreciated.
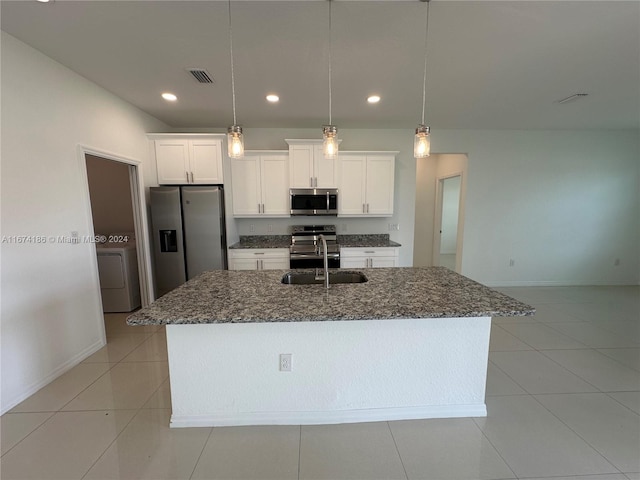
column 314, row 201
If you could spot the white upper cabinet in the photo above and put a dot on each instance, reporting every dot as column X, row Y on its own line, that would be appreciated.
column 188, row 159
column 260, row 185
column 307, row 166
column 367, row 184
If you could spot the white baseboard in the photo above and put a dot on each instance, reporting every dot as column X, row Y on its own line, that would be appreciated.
column 328, row 417
column 65, row 367
column 554, row 283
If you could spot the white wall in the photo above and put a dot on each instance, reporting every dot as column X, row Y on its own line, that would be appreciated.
column 50, row 313
column 562, row 204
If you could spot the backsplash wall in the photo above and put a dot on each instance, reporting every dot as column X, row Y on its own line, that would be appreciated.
column 281, row 226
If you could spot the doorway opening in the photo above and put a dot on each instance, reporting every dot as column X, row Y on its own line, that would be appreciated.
column 440, row 210
column 114, row 233
column 116, row 216
column 447, row 222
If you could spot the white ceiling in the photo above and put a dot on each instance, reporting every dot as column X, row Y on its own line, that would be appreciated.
column 492, row 64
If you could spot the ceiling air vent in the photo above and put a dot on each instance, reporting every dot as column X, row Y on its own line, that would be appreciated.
column 201, row 75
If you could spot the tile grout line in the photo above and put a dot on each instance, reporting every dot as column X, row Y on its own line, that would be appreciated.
column 473, row 419
column 138, row 410
column 620, row 403
column 541, row 352
column 32, row 431
column 573, row 373
column 204, row 445
column 55, row 412
column 576, row 433
column 397, row 450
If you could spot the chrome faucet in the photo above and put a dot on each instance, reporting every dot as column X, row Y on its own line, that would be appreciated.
column 326, row 262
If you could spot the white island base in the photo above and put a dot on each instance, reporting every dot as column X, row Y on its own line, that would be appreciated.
column 342, row 371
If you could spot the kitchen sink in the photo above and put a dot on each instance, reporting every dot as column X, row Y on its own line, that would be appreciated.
column 309, row 278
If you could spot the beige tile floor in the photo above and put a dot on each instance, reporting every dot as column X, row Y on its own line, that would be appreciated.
column 563, row 400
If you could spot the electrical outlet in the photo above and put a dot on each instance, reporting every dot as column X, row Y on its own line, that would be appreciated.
column 512, row 262
column 270, row 228
column 394, row 227
column 252, row 228
column 285, row 362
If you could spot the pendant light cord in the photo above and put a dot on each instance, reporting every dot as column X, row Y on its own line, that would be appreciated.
column 233, row 82
column 424, row 78
column 330, row 1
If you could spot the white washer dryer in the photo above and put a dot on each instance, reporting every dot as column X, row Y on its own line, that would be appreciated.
column 119, row 281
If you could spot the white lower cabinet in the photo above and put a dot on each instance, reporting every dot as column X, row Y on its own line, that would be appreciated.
column 381, row 257
column 259, row 259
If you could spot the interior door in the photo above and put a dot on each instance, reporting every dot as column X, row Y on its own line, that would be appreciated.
column 449, row 219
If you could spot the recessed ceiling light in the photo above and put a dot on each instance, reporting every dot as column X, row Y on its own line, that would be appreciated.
column 273, row 98
column 170, row 97
column 373, row 99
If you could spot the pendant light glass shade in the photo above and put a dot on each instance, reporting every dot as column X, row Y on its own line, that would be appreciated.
column 330, row 143
column 422, row 142
column 235, row 141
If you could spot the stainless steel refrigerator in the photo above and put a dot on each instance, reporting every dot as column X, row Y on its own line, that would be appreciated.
column 188, row 233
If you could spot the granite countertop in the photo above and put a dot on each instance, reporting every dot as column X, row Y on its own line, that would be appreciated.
column 284, row 241
column 227, row 296
column 262, row 241
column 368, row 240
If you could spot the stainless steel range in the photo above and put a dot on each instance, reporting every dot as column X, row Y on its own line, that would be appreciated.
column 306, row 248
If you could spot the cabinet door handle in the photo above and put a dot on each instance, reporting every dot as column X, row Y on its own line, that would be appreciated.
column 315, row 181
column 369, row 251
column 258, row 208
column 263, row 208
column 192, row 177
column 187, row 174
column 311, row 181
column 257, row 264
column 367, row 208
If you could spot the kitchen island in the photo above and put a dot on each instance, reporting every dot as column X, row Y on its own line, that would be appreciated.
column 408, row 343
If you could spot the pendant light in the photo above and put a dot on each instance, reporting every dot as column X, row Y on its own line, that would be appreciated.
column 330, row 132
column 235, row 139
column 422, row 140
